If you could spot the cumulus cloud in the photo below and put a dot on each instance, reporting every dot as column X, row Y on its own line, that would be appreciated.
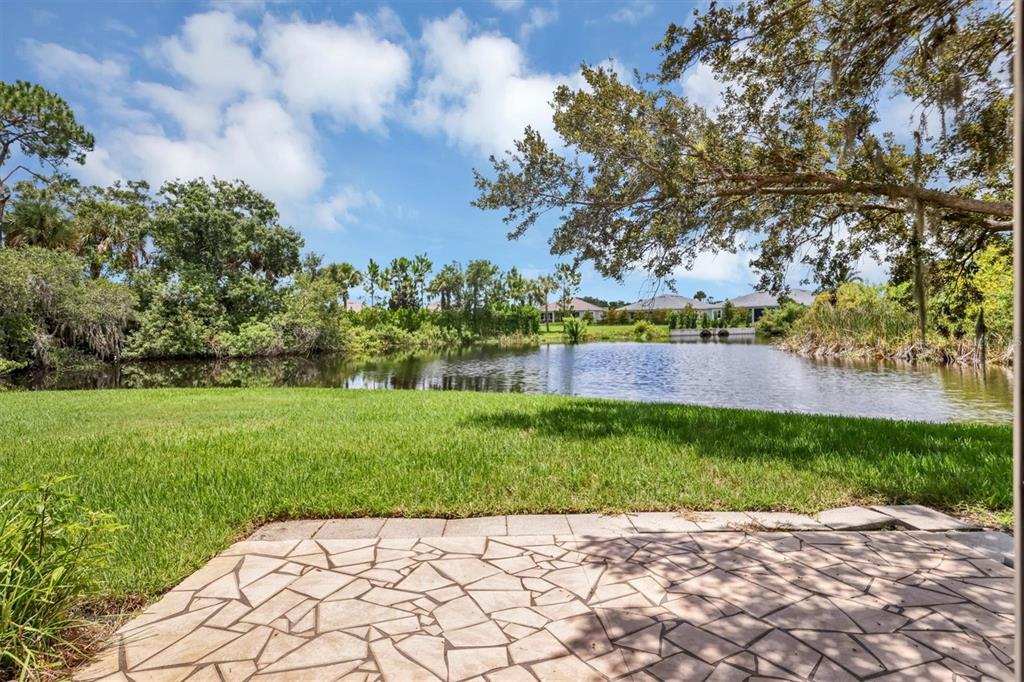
column 259, row 142
column 347, row 71
column 538, row 18
column 508, row 5
column 55, row 61
column 701, row 87
column 340, row 209
column 234, row 99
column 477, row 88
column 213, row 53
column 632, row 12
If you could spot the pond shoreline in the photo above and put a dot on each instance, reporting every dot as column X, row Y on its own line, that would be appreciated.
column 725, row 372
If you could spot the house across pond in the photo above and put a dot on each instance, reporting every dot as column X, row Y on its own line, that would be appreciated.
column 756, row 302
column 552, row 312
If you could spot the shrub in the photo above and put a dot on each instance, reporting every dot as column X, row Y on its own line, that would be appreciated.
column 253, row 339
column 780, row 321
column 48, row 304
column 51, row 550
column 643, row 329
column 575, row 329
column 861, row 316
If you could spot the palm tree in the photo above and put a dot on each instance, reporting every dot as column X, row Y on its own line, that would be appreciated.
column 373, row 280
column 516, row 286
column 447, row 285
column 421, row 267
column 346, row 277
column 40, row 223
column 480, row 276
column 546, row 285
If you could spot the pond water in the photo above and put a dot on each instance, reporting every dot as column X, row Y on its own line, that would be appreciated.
column 735, row 373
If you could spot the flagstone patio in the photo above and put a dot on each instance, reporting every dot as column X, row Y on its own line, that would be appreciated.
column 630, row 598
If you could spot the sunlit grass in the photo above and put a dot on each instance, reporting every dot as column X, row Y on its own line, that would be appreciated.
column 601, row 332
column 188, row 471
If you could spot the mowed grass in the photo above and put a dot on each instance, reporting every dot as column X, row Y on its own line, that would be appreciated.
column 602, row 332
column 189, row 470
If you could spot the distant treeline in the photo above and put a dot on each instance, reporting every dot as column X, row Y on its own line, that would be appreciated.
column 204, row 268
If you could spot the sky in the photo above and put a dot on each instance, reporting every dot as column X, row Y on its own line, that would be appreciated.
column 363, row 121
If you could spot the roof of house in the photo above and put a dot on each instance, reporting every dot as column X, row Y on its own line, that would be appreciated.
column 763, row 299
column 667, row 302
column 355, row 306
column 576, row 305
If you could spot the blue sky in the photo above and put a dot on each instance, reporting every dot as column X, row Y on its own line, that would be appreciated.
column 363, row 121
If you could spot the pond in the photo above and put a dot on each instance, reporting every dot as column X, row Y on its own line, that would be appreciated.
column 735, row 373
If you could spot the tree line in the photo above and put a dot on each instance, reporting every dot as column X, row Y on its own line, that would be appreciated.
column 203, row 268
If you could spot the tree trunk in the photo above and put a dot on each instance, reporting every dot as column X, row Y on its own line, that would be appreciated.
column 919, row 284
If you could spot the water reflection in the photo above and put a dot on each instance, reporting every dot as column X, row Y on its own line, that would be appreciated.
column 734, row 373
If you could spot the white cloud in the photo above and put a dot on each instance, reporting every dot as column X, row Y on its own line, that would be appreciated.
column 538, row 18
column 187, row 109
column 632, row 12
column 508, row 5
column 98, row 169
column 478, row 90
column 347, row 71
column 701, row 87
column 235, row 100
column 214, row 54
column 723, row 266
column 259, row 142
column 340, row 208
column 57, row 62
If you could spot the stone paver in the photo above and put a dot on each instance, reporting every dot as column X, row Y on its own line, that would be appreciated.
column 921, row 518
column 346, row 528
column 911, row 517
column 784, row 521
column 551, row 604
column 854, row 518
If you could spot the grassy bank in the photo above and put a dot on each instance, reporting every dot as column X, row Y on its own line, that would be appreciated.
column 603, row 332
column 189, row 470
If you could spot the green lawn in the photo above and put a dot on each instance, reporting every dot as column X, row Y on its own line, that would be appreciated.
column 602, row 332
column 189, row 470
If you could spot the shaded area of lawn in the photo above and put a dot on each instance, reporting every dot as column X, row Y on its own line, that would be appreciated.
column 189, row 470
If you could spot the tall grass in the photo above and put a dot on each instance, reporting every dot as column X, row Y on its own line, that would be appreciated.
column 52, row 550
column 575, row 329
column 861, row 320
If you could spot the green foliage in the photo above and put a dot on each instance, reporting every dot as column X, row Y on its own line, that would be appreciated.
column 861, row 317
column 993, row 280
column 574, row 328
column 8, row 366
column 52, row 551
column 643, row 330
column 778, row 322
column 642, row 177
column 41, row 127
column 48, row 304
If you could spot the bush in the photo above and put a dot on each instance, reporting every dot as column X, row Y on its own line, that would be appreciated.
column 780, row 321
column 643, row 330
column 47, row 304
column 861, row 316
column 253, row 339
column 575, row 329
column 51, row 549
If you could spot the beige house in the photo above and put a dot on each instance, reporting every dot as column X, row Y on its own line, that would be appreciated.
column 552, row 312
column 673, row 303
column 759, row 301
